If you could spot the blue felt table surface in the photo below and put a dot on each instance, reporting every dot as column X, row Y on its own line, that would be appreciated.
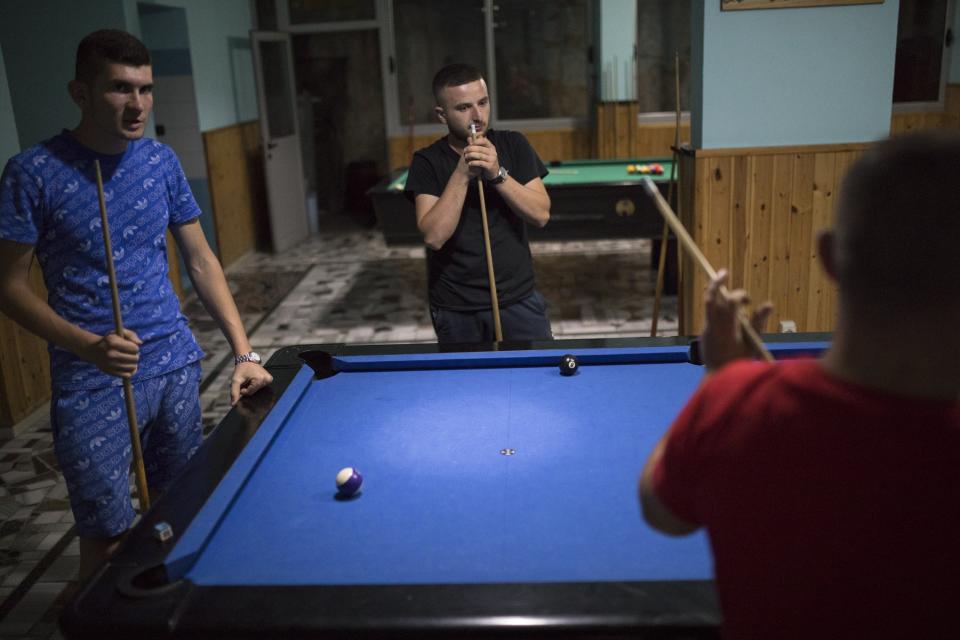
column 440, row 502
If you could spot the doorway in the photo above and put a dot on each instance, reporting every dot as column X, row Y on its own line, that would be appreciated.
column 344, row 129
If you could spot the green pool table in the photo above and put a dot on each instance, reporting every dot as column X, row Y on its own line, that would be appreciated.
column 591, row 199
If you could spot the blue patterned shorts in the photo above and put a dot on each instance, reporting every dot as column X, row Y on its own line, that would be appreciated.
column 92, row 443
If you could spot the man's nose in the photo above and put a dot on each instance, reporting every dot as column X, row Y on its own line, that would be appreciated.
column 136, row 100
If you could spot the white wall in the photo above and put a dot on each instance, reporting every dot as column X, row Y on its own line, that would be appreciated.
column 9, row 142
column 793, row 76
column 211, row 23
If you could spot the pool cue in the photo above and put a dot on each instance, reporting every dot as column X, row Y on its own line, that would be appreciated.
column 753, row 338
column 494, row 305
column 665, row 238
column 142, row 493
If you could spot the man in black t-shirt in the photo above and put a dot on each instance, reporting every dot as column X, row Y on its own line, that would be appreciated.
column 442, row 181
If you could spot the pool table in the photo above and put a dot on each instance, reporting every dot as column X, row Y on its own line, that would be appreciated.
column 499, row 500
column 590, row 199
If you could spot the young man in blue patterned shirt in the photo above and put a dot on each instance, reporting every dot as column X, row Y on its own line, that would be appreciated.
column 49, row 208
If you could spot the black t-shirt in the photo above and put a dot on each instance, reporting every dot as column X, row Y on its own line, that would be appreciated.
column 457, row 273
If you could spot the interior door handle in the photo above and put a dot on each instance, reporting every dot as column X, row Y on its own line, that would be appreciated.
column 271, row 145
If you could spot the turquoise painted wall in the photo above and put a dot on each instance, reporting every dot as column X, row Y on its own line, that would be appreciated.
column 793, row 76
column 211, row 24
column 618, row 30
column 954, row 76
column 39, row 45
column 9, row 142
column 697, row 22
column 161, row 27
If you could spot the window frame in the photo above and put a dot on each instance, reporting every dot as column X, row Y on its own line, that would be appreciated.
column 383, row 23
column 934, row 106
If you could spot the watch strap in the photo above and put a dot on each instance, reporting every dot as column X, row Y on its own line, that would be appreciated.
column 251, row 356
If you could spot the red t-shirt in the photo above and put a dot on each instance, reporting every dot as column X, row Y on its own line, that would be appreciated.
column 833, row 510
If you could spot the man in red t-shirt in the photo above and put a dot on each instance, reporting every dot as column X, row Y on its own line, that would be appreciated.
column 830, row 488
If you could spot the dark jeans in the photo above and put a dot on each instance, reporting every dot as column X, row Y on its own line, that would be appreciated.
column 525, row 319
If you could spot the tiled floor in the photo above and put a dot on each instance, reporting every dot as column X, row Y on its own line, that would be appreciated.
column 343, row 285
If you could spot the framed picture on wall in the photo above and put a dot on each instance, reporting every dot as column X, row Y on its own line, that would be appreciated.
column 737, row 5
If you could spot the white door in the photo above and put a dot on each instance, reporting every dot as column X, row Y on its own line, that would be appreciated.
column 283, row 166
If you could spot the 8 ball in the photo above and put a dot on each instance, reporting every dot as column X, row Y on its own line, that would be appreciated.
column 568, row 365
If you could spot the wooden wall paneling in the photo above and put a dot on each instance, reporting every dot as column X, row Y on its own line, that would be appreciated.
column 780, row 217
column 34, row 358
column 641, row 141
column 688, row 170
column 713, row 230
column 11, row 392
column 606, row 131
column 550, row 144
column 757, row 234
column 801, row 228
column 616, row 129
column 694, row 279
column 24, row 365
column 560, row 144
column 655, row 139
column 174, row 273
column 739, row 224
column 600, row 132
column 398, row 149
column 947, row 118
column 952, row 106
column 626, row 128
column 34, row 366
column 819, row 292
column 758, row 211
column 907, row 122
column 719, row 216
column 611, row 133
column 230, row 191
column 256, row 183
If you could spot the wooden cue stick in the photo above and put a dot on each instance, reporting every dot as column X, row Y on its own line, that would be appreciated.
column 665, row 237
column 753, row 338
column 494, row 304
column 142, row 492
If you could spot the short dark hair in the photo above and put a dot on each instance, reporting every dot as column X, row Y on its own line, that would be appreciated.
column 108, row 45
column 898, row 222
column 454, row 75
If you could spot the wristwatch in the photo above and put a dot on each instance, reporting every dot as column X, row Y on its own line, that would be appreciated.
column 501, row 176
column 253, row 357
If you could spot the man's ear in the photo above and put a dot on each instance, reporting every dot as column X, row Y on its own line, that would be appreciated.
column 79, row 92
column 441, row 115
column 827, row 251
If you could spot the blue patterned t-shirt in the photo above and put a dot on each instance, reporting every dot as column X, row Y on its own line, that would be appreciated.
column 48, row 198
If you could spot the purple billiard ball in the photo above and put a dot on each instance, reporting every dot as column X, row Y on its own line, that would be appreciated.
column 349, row 482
